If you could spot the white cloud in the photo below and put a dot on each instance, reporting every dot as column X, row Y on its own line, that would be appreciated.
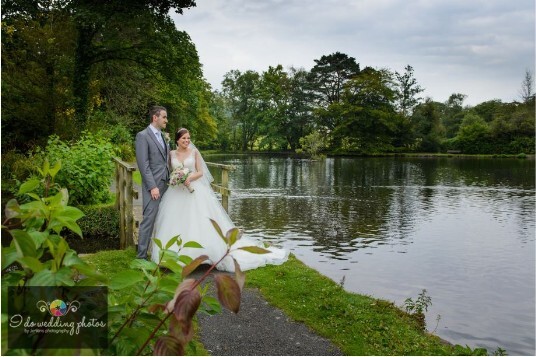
column 480, row 48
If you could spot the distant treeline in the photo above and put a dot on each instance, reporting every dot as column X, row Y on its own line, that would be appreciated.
column 70, row 66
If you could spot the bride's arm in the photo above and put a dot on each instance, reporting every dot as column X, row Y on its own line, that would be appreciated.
column 198, row 168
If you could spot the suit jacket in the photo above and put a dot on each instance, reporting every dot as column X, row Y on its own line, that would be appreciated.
column 152, row 160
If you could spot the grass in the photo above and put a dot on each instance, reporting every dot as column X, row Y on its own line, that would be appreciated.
column 357, row 324
column 136, row 177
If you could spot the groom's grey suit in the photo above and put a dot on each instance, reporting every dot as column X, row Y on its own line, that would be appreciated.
column 152, row 162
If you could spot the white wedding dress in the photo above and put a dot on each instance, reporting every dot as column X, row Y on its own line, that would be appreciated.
column 187, row 214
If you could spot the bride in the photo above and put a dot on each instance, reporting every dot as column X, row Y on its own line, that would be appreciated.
column 186, row 210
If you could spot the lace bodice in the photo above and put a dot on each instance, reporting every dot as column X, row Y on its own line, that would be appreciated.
column 189, row 162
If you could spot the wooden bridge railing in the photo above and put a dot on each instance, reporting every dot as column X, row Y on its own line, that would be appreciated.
column 124, row 198
column 126, row 194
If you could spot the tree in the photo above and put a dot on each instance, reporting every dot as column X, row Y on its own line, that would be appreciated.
column 135, row 58
column 300, row 108
column 407, row 90
column 240, row 89
column 327, row 79
column 429, row 131
column 527, row 87
column 35, row 71
column 369, row 121
column 273, row 101
column 115, row 30
column 474, row 135
column 453, row 114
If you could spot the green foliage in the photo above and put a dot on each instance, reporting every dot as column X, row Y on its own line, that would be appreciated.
column 313, row 144
column 38, row 255
column 100, row 226
column 474, row 135
column 418, row 307
column 87, row 167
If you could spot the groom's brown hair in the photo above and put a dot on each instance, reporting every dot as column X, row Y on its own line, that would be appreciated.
column 155, row 110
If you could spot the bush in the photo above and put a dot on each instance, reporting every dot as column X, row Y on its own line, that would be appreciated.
column 87, row 167
column 100, row 229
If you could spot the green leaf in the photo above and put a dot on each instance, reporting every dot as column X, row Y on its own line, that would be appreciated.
column 12, row 209
column 72, row 213
column 71, row 258
column 9, row 255
column 54, row 170
column 46, row 167
column 142, row 264
column 28, row 186
column 255, row 250
column 185, row 259
column 218, row 230
column 171, row 242
column 232, row 235
column 158, row 243
column 24, row 243
column 64, row 276
column 44, row 278
column 38, row 237
column 212, row 305
column 171, row 264
column 32, row 263
column 125, row 279
column 192, row 244
column 228, row 292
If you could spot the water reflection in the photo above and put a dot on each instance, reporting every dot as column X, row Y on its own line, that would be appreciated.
column 461, row 228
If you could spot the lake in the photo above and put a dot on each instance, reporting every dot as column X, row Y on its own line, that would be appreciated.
column 461, row 228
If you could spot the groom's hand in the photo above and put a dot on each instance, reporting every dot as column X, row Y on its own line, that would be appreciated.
column 155, row 193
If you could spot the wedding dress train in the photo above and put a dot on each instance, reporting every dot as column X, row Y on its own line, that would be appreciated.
column 188, row 214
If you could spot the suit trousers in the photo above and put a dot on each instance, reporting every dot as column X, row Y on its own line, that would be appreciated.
column 150, row 211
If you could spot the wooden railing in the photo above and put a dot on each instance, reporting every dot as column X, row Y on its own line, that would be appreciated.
column 222, row 186
column 126, row 194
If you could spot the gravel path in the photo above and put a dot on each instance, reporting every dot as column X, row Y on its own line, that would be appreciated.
column 260, row 329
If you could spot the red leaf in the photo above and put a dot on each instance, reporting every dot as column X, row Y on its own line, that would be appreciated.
column 240, row 277
column 168, row 346
column 228, row 292
column 186, row 305
column 156, row 307
column 181, row 330
column 184, row 285
column 188, row 269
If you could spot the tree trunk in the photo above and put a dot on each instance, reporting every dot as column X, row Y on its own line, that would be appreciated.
column 82, row 71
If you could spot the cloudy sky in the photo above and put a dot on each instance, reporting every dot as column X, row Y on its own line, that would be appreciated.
column 480, row 48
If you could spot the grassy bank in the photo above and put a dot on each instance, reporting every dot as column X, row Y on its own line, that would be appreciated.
column 359, row 325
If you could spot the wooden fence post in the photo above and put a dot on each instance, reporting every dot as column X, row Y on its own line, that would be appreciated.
column 223, row 187
column 125, row 194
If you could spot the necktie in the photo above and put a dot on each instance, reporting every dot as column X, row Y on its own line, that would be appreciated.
column 160, row 139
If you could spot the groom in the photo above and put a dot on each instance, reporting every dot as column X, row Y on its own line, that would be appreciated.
column 151, row 156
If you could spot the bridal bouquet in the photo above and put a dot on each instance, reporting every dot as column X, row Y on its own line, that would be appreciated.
column 179, row 176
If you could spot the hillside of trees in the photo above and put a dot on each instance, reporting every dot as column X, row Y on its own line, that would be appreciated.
column 81, row 65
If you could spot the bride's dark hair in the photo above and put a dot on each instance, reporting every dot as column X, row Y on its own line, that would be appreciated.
column 180, row 133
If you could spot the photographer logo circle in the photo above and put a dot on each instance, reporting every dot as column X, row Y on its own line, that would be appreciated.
column 58, row 308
